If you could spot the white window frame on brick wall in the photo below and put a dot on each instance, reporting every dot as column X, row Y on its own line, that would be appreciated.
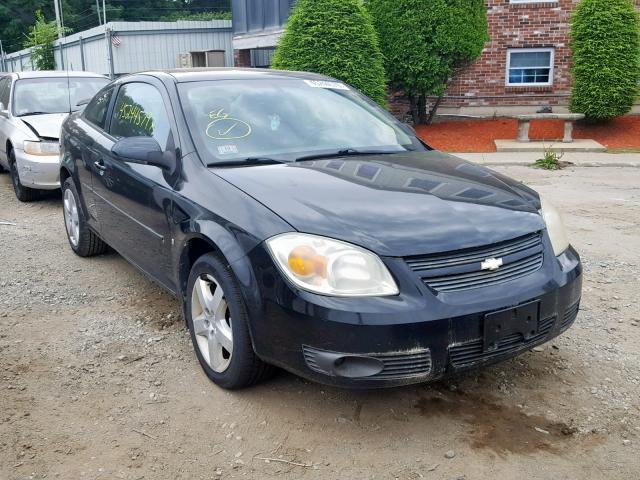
column 531, row 50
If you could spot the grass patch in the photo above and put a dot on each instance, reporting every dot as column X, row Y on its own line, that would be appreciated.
column 550, row 161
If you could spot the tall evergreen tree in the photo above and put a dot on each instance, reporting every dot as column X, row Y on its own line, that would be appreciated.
column 605, row 40
column 334, row 38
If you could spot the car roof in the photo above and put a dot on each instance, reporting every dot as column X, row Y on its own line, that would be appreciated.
column 57, row 74
column 204, row 74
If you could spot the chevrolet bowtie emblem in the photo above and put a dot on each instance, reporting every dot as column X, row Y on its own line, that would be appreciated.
column 491, row 264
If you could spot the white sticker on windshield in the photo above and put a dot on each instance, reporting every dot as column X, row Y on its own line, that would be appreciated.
column 227, row 149
column 325, row 84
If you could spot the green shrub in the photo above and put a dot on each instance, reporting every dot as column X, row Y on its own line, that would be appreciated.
column 40, row 40
column 426, row 42
column 550, row 160
column 605, row 40
column 334, row 38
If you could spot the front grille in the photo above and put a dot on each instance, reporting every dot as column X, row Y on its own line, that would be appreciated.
column 471, row 352
column 570, row 315
column 402, row 365
column 462, row 270
column 397, row 365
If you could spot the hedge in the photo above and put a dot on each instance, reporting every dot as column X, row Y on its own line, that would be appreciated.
column 334, row 38
column 605, row 40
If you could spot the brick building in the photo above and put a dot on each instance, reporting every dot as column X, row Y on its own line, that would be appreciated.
column 524, row 67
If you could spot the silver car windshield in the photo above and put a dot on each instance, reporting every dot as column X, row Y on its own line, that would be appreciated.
column 287, row 119
column 37, row 96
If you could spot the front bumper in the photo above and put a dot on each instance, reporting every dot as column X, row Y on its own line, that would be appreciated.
column 41, row 172
column 417, row 336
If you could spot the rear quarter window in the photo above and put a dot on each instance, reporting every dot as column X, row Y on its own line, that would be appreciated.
column 96, row 110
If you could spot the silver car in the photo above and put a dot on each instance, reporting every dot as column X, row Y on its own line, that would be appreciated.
column 33, row 106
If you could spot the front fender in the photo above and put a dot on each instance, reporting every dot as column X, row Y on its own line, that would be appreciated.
column 214, row 237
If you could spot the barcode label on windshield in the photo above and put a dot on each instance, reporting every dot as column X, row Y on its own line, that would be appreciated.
column 227, row 149
column 325, row 84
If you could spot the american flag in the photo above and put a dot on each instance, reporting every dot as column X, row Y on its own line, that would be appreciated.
column 115, row 41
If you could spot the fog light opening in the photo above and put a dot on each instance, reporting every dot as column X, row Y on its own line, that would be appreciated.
column 350, row 366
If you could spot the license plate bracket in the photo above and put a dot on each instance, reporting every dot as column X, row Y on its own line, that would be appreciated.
column 522, row 319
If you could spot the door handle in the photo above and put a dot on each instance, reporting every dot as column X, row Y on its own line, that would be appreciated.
column 99, row 164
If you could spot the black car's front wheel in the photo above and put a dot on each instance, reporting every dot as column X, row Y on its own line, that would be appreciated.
column 218, row 322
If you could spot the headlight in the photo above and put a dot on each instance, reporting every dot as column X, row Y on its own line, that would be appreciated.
column 555, row 227
column 42, row 148
column 330, row 267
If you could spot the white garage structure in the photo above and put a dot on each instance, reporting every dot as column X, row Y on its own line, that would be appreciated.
column 127, row 47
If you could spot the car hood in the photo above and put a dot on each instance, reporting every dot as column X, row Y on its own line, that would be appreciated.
column 45, row 126
column 395, row 205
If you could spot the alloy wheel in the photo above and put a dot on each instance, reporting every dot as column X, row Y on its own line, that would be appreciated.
column 212, row 323
column 71, row 217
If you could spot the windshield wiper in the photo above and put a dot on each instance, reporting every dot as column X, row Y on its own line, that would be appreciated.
column 246, row 162
column 32, row 113
column 347, row 152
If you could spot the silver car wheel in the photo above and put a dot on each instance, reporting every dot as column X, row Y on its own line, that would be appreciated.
column 71, row 217
column 212, row 323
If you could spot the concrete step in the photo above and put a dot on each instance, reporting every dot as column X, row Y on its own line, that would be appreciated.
column 575, row 146
column 578, row 159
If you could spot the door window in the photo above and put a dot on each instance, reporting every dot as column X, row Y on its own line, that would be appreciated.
column 96, row 111
column 5, row 89
column 140, row 112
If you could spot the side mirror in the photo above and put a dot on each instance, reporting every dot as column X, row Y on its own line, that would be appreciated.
column 84, row 101
column 144, row 151
column 3, row 111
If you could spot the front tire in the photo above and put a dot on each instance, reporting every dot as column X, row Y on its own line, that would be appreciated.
column 24, row 194
column 219, row 325
column 83, row 241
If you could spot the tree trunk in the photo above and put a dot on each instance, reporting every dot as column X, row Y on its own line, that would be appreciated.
column 415, row 110
column 422, row 109
column 434, row 109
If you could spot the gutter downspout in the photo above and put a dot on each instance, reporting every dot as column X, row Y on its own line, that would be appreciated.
column 81, row 45
column 108, row 34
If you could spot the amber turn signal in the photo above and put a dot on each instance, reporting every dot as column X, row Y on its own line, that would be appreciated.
column 304, row 261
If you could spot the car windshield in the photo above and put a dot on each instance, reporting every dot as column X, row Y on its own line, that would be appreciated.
column 287, row 119
column 34, row 96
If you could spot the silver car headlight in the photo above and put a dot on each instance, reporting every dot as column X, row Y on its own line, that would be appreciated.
column 331, row 267
column 41, row 148
column 555, row 227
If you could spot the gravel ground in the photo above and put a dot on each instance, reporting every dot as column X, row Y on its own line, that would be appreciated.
column 99, row 380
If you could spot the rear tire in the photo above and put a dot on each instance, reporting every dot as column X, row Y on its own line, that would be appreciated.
column 24, row 194
column 219, row 325
column 83, row 241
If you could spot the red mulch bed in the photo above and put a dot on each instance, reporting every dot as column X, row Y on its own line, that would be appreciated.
column 478, row 135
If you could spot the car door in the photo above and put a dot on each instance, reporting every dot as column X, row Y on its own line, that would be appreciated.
column 5, row 127
column 86, row 146
column 134, row 201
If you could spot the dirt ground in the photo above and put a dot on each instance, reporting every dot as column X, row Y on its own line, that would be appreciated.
column 99, row 380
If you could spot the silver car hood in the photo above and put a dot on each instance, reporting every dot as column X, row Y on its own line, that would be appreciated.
column 47, row 125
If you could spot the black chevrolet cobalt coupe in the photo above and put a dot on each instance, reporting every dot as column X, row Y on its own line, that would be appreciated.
column 301, row 226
